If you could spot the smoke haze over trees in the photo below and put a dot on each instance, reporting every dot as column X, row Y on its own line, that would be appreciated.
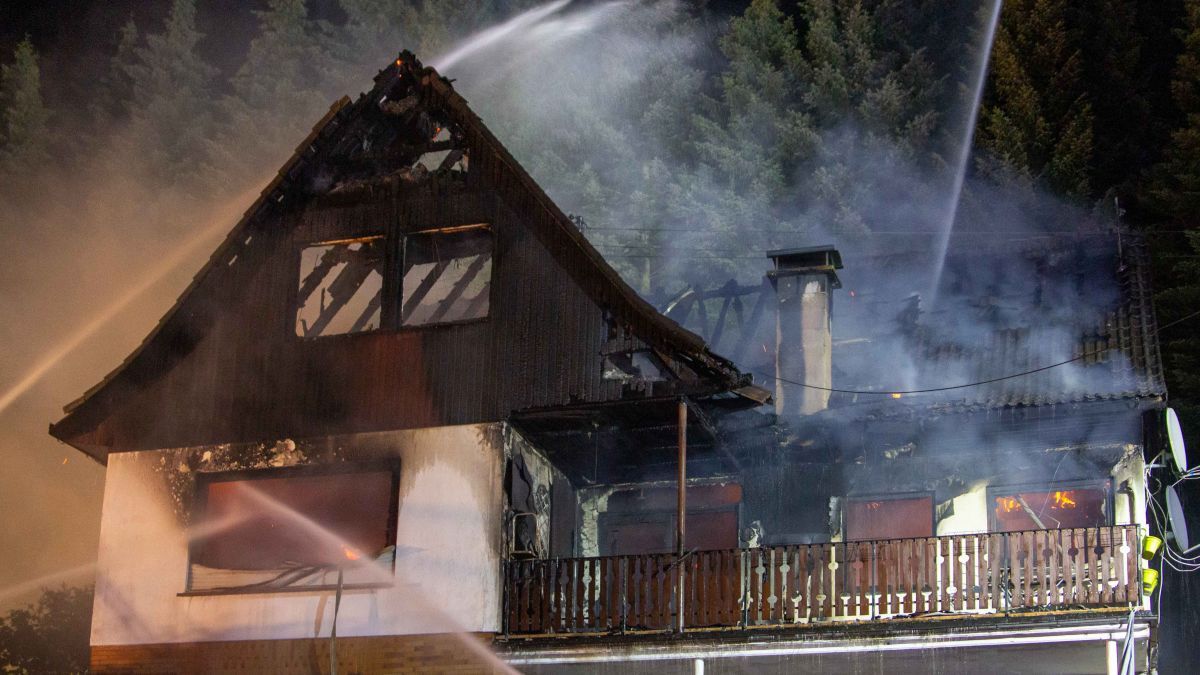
column 48, row 637
column 690, row 137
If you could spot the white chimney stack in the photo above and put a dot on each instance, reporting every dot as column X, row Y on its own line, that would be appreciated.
column 804, row 279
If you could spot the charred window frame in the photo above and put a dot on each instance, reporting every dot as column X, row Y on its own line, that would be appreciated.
column 446, row 275
column 1046, row 511
column 340, row 287
column 388, row 470
column 853, row 501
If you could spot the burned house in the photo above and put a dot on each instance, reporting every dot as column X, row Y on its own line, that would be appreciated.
column 407, row 418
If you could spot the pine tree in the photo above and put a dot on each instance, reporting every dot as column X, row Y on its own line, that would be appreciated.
column 24, row 118
column 1174, row 196
column 874, row 108
column 276, row 93
column 1114, row 73
column 173, row 96
column 1038, row 121
column 758, row 134
column 1175, row 188
column 114, row 97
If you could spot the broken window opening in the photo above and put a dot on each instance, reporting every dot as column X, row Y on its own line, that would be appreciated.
column 889, row 517
column 432, row 161
column 340, row 288
column 447, row 276
column 258, row 533
column 1049, row 508
column 641, row 365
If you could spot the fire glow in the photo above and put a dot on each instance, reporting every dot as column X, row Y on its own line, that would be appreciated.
column 1059, row 499
column 1064, row 499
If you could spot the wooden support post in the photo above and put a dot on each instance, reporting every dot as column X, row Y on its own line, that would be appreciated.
column 681, row 514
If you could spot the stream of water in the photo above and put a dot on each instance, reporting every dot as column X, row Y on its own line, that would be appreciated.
column 964, row 152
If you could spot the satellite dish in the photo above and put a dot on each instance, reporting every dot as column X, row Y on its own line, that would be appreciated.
column 1175, row 441
column 1186, row 493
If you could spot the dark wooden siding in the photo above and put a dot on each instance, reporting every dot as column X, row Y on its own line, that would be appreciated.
column 249, row 377
column 224, row 364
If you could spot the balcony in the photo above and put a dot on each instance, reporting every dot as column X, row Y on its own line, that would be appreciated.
column 1067, row 569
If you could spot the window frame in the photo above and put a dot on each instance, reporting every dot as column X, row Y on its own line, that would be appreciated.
column 886, row 497
column 391, row 305
column 296, row 267
column 401, row 246
column 199, row 507
column 993, row 491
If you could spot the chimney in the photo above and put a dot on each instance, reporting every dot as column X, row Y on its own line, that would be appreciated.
column 803, row 279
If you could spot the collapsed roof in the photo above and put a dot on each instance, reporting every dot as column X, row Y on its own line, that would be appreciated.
column 1004, row 307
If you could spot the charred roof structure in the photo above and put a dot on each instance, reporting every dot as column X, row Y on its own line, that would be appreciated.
column 408, row 157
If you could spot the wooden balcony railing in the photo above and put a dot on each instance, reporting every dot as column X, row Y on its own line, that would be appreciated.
column 782, row 585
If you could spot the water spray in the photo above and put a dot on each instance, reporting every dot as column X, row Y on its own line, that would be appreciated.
column 491, row 36
column 156, row 274
column 964, row 152
column 379, row 574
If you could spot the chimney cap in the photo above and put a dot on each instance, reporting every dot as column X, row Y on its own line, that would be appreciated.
column 808, row 258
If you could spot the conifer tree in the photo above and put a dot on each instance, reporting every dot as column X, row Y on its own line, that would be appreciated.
column 1038, row 119
column 759, row 133
column 277, row 92
column 874, row 107
column 1114, row 72
column 1174, row 196
column 173, row 96
column 114, row 97
column 1175, row 188
column 24, row 118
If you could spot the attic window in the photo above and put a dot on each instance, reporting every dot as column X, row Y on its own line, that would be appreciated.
column 263, row 530
column 1048, row 507
column 340, row 287
column 447, row 275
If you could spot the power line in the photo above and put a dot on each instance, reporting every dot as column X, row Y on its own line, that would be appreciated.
column 969, row 384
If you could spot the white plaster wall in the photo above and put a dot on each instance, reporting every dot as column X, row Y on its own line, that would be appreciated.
column 1132, row 470
column 970, row 513
column 447, row 563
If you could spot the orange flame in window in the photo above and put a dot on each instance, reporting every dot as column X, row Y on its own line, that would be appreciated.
column 1064, row 499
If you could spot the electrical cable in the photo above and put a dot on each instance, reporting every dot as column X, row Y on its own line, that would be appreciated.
column 893, row 392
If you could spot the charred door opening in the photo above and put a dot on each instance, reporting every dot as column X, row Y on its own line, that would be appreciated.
column 643, row 520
